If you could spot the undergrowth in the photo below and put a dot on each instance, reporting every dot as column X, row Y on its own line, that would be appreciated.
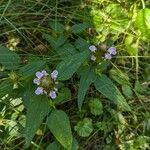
column 75, row 75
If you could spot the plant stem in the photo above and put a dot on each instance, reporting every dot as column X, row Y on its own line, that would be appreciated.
column 143, row 4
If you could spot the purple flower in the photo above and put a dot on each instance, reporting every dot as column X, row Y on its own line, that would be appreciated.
column 39, row 75
column 108, row 56
column 93, row 58
column 39, row 91
column 92, row 48
column 48, row 89
column 36, row 81
column 44, row 73
column 54, row 74
column 112, row 51
column 52, row 94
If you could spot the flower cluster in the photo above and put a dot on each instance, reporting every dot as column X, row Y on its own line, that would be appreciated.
column 46, row 83
column 96, row 55
column 93, row 49
column 110, row 53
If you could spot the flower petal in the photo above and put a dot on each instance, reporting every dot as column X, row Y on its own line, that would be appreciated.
column 36, row 81
column 92, row 48
column 112, row 51
column 39, row 75
column 39, row 91
column 44, row 73
column 108, row 56
column 54, row 74
column 52, row 94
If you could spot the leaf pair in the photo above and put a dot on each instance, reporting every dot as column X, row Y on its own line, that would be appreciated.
column 58, row 121
column 104, row 85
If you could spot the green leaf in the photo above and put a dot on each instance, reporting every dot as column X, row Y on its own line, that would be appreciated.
column 55, row 42
column 57, row 26
column 59, row 125
column 64, row 95
column 127, row 91
column 9, row 59
column 6, row 87
column 147, row 127
column 84, row 128
column 37, row 109
column 119, row 76
column 104, row 85
column 131, row 46
column 75, row 145
column 53, row 146
column 70, row 65
column 139, row 88
column 87, row 78
column 66, row 50
column 78, row 28
column 143, row 21
column 29, row 69
column 81, row 44
column 56, row 146
column 102, row 67
column 96, row 106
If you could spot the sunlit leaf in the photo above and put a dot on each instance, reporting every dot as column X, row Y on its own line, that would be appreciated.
column 143, row 21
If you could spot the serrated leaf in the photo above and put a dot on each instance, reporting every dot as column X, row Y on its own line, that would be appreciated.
column 70, row 65
column 37, row 109
column 87, row 78
column 78, row 28
column 84, row 128
column 143, row 21
column 9, row 59
column 105, row 86
column 59, row 125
